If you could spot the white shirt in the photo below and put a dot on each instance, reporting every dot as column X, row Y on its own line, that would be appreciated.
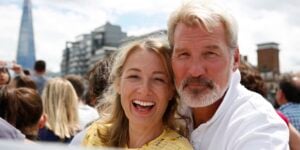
column 86, row 115
column 243, row 121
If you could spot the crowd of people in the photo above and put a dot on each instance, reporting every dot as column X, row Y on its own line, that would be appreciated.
column 183, row 90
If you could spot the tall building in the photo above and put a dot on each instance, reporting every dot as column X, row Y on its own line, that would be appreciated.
column 26, row 47
column 268, row 65
column 80, row 55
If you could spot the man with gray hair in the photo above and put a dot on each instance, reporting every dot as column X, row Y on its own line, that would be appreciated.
column 205, row 60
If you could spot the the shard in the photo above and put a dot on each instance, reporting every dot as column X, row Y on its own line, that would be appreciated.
column 26, row 47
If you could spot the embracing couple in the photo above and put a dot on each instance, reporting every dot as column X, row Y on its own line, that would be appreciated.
column 185, row 93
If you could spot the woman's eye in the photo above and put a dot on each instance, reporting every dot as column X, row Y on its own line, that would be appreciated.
column 160, row 80
column 132, row 77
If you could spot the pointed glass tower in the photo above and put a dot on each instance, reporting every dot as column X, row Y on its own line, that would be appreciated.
column 26, row 48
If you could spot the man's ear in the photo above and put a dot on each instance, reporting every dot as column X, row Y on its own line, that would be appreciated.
column 43, row 120
column 236, row 59
column 280, row 97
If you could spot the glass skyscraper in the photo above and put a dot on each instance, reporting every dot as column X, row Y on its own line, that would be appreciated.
column 26, row 47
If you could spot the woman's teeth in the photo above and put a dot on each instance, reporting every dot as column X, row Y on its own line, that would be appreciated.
column 143, row 103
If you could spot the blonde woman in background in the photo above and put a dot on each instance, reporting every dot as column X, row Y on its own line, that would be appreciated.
column 60, row 105
column 141, row 102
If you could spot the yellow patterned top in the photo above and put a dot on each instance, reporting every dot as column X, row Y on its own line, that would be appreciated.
column 168, row 140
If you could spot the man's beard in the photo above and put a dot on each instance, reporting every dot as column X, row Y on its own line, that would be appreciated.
column 204, row 94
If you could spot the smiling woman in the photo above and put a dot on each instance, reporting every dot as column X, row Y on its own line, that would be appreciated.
column 141, row 101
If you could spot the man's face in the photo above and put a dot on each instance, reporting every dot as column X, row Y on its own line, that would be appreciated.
column 202, row 64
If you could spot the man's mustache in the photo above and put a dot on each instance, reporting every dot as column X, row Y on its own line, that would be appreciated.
column 198, row 80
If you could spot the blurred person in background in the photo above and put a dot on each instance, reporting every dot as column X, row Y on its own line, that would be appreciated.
column 9, row 132
column 61, row 106
column 86, row 113
column 23, row 109
column 23, row 81
column 252, row 80
column 141, row 101
column 5, row 76
column 26, row 72
column 98, row 78
column 39, row 76
column 98, row 81
column 288, row 98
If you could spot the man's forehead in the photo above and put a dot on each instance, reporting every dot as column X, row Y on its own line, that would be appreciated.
column 183, row 31
column 182, row 27
column 296, row 80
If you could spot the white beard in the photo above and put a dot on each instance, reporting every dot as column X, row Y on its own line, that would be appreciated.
column 201, row 98
column 197, row 98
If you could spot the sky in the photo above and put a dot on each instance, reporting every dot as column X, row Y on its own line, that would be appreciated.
column 58, row 21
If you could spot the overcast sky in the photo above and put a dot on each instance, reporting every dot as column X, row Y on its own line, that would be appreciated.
column 58, row 21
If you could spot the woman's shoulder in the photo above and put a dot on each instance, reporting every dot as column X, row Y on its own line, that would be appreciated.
column 93, row 134
column 169, row 139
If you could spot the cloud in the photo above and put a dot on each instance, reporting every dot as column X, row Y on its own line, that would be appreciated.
column 54, row 24
column 119, row 7
column 8, row 29
column 268, row 21
column 137, row 30
column 58, row 21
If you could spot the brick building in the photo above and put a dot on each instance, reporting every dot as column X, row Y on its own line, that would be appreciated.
column 268, row 65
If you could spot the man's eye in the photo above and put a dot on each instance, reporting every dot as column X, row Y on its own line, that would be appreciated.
column 183, row 55
column 211, row 54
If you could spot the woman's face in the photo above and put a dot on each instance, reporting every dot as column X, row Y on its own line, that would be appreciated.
column 145, row 87
column 4, row 76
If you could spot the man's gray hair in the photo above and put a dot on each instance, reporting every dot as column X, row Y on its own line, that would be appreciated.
column 207, row 15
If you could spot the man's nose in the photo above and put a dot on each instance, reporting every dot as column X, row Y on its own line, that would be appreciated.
column 196, row 68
